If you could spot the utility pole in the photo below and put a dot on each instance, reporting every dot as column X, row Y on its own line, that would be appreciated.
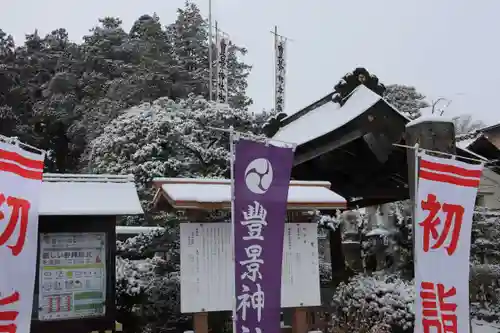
column 210, row 74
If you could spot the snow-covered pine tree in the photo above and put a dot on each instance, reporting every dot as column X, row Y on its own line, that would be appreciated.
column 406, row 99
column 189, row 36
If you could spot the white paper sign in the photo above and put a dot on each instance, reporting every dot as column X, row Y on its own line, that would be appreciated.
column 72, row 276
column 207, row 267
column 20, row 184
column 445, row 204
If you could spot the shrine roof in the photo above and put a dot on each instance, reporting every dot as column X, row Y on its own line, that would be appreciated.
column 209, row 194
column 136, row 230
column 328, row 117
column 351, row 146
column 86, row 195
column 466, row 143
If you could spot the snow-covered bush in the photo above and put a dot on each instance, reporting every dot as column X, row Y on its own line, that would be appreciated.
column 326, row 221
column 325, row 273
column 139, row 246
column 485, row 292
column 147, row 286
column 147, row 297
column 368, row 300
column 133, row 279
column 485, row 243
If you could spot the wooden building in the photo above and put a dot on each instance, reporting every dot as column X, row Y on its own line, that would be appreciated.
column 351, row 146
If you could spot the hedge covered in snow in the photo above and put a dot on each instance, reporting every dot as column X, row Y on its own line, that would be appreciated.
column 148, row 292
column 368, row 300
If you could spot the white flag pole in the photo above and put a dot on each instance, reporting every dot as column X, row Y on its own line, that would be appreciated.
column 233, row 137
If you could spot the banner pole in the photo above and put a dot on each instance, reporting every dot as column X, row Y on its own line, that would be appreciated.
column 233, row 136
column 441, row 153
column 15, row 141
column 415, row 202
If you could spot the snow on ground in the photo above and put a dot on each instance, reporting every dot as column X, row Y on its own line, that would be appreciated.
column 479, row 326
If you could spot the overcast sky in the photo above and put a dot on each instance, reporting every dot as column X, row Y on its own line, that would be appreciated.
column 444, row 48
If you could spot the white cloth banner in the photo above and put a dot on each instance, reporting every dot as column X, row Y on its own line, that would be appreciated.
column 280, row 74
column 222, row 69
column 20, row 183
column 445, row 200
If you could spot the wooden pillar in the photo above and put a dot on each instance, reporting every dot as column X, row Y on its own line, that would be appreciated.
column 437, row 135
column 200, row 319
column 299, row 323
column 200, row 322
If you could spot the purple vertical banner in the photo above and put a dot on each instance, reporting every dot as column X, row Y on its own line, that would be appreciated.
column 261, row 176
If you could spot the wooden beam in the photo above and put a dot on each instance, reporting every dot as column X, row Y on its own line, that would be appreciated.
column 200, row 322
column 299, row 321
column 323, row 149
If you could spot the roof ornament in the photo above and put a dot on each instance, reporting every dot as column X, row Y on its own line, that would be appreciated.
column 273, row 124
column 341, row 93
column 352, row 80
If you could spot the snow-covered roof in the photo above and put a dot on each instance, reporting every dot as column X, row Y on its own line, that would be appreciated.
column 202, row 193
column 328, row 117
column 464, row 144
column 480, row 157
column 430, row 118
column 72, row 194
column 126, row 230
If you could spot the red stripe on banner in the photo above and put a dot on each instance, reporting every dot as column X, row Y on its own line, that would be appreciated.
column 444, row 178
column 11, row 328
column 10, row 299
column 16, row 169
column 430, row 313
column 427, row 295
column 20, row 159
column 8, row 316
column 459, row 171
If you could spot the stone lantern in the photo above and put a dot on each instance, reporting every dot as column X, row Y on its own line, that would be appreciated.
column 380, row 234
column 351, row 245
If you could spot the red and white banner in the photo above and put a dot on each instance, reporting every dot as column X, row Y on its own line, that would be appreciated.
column 445, row 201
column 20, row 184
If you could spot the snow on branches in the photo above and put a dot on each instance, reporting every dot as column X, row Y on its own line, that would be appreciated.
column 368, row 300
column 147, row 286
column 169, row 138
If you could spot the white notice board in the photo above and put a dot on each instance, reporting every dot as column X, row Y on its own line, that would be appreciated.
column 207, row 270
column 72, row 275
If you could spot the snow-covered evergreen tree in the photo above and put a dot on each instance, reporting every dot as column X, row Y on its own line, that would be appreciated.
column 169, row 138
column 406, row 99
